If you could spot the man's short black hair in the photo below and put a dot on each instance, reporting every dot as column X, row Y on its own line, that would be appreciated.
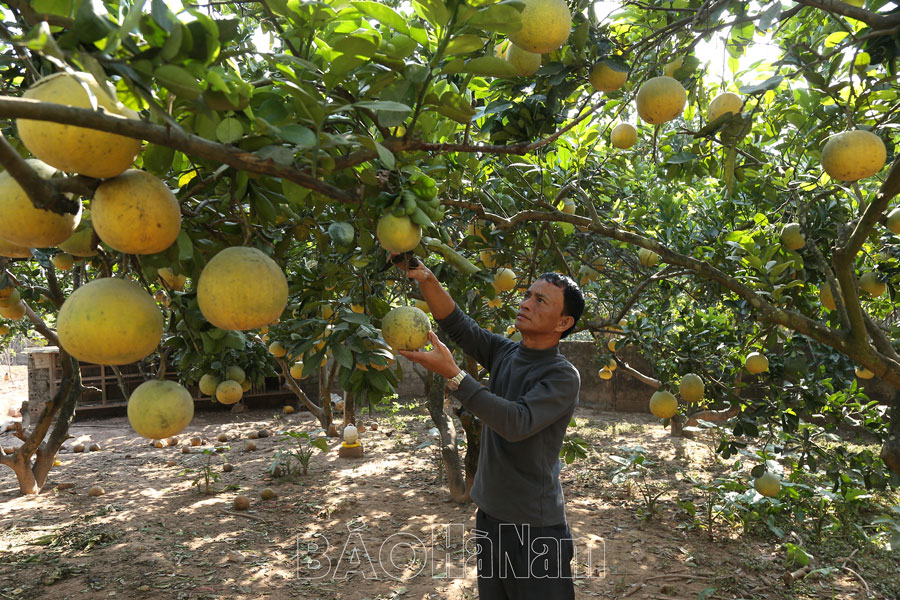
column 573, row 298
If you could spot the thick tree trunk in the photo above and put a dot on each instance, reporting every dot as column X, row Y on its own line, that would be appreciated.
column 449, row 447
column 472, row 426
column 21, row 466
column 349, row 409
column 890, row 450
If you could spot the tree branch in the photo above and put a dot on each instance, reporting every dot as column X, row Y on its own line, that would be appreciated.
column 42, row 192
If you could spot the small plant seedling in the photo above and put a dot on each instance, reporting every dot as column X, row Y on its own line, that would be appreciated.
column 301, row 451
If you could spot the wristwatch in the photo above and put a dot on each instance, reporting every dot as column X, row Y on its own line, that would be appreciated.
column 453, row 382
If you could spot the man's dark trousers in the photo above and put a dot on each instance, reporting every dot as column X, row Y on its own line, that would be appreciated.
column 520, row 562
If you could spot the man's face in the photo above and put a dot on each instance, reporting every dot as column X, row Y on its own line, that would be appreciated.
column 541, row 310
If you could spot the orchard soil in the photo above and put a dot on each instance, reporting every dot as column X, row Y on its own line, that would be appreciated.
column 154, row 535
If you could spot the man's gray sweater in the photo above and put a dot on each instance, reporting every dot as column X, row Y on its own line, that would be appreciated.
column 524, row 415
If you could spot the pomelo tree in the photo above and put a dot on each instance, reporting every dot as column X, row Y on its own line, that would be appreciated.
column 273, row 121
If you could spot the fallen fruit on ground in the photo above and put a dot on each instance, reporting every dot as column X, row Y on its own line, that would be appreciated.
column 853, row 155
column 24, row 225
column 663, row 404
column 756, row 363
column 768, row 484
column 136, row 213
column 397, row 234
column 660, row 99
column 546, row 25
column 267, row 494
column 405, row 328
column 78, row 149
column 288, row 410
column 95, row 490
column 159, row 409
column 241, row 503
column 110, row 322
column 241, row 288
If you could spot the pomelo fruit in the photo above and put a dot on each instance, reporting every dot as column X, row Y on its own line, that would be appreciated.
column 826, row 297
column 864, row 373
column 768, row 484
column 605, row 373
column 852, row 155
column 526, row 63
column 893, row 221
column 792, row 237
column 663, row 404
column 235, row 373
column 623, row 136
column 241, row 288
column 13, row 310
column 660, row 99
column 229, row 392
column 546, row 25
column 78, row 149
column 109, row 321
column 136, row 213
column 175, row 282
column 81, row 243
column 10, row 250
column 672, row 67
column 727, row 102
column 691, row 388
column 869, row 282
column 63, row 261
column 277, row 349
column 23, row 224
column 606, row 76
column 297, row 370
column 208, row 384
column 158, row 409
column 342, row 234
column 422, row 305
column 405, row 328
column 504, row 280
column 648, row 258
column 397, row 234
column 756, row 363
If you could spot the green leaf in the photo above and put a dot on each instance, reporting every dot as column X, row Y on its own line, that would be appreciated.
column 463, row 44
column 91, row 23
column 386, row 156
column 342, row 355
column 298, row 135
column 835, row 38
column 383, row 14
column 229, row 130
column 769, row 84
column 503, row 17
column 433, row 11
column 185, row 246
column 681, row 158
column 235, row 340
column 486, row 66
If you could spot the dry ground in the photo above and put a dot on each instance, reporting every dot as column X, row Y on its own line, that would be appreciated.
column 152, row 535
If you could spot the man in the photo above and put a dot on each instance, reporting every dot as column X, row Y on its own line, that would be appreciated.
column 524, row 545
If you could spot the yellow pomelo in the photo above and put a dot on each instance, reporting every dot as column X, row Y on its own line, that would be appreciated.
column 792, row 237
column 358, row 308
column 660, row 99
column 9, row 296
column 546, row 25
column 397, row 234
column 495, row 302
column 487, row 257
column 10, row 250
column 158, row 409
column 691, row 388
column 77, row 149
column 297, row 370
column 175, row 282
column 63, row 261
column 23, row 224
column 526, row 63
column 208, row 384
column 623, row 135
column 768, row 484
column 611, row 365
column 422, row 305
column 241, row 288
column 288, row 410
column 869, row 282
column 109, row 321
column 853, row 155
column 235, row 373
column 277, row 349
column 672, row 67
column 405, row 328
column 727, row 102
column 136, row 213
column 246, row 385
column 604, row 77
column 826, row 297
column 893, row 221
column 611, row 344
column 504, row 280
column 663, row 405
column 229, row 392
column 4, row 329
column 648, row 258
column 605, row 373
column 13, row 310
column 756, row 363
column 864, row 373
column 568, row 207
column 81, row 243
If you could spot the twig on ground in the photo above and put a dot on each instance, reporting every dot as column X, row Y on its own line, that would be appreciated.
column 248, row 516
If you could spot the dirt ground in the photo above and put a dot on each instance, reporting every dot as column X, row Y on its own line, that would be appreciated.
column 13, row 391
column 380, row 527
